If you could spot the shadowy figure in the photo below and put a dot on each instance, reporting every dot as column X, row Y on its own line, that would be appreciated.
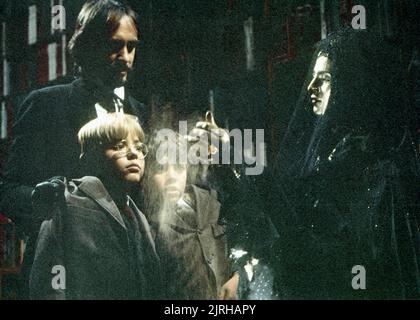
column 346, row 178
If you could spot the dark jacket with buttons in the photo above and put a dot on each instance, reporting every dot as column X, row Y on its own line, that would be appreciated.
column 90, row 240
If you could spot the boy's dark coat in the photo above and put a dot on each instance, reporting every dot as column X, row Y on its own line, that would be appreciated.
column 88, row 236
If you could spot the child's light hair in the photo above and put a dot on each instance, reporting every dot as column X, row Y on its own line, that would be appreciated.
column 106, row 130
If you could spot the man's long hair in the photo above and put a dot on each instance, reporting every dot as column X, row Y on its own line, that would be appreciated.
column 97, row 21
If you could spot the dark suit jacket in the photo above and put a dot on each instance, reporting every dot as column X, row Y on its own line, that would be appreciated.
column 45, row 140
column 89, row 238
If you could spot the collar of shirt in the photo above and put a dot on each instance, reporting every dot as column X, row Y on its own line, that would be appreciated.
column 120, row 93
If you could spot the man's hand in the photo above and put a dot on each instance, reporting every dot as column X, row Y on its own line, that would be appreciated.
column 47, row 195
column 229, row 289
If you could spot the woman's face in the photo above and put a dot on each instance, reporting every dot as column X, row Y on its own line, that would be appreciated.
column 320, row 86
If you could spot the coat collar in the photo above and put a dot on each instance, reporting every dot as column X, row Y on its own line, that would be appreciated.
column 87, row 89
column 144, row 225
column 207, row 206
column 82, row 99
column 94, row 188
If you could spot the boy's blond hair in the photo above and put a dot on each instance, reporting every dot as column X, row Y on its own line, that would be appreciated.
column 106, row 130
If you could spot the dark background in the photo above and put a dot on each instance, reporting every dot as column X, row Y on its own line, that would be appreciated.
column 190, row 47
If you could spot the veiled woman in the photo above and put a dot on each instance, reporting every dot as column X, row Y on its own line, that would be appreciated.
column 347, row 177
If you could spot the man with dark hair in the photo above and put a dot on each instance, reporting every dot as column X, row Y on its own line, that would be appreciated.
column 112, row 29
column 46, row 125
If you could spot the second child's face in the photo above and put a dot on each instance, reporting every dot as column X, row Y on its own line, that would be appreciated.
column 170, row 181
column 127, row 159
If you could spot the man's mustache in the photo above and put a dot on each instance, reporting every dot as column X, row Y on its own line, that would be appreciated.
column 119, row 67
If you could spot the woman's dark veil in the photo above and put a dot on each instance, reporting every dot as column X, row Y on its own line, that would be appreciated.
column 367, row 98
column 347, row 176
